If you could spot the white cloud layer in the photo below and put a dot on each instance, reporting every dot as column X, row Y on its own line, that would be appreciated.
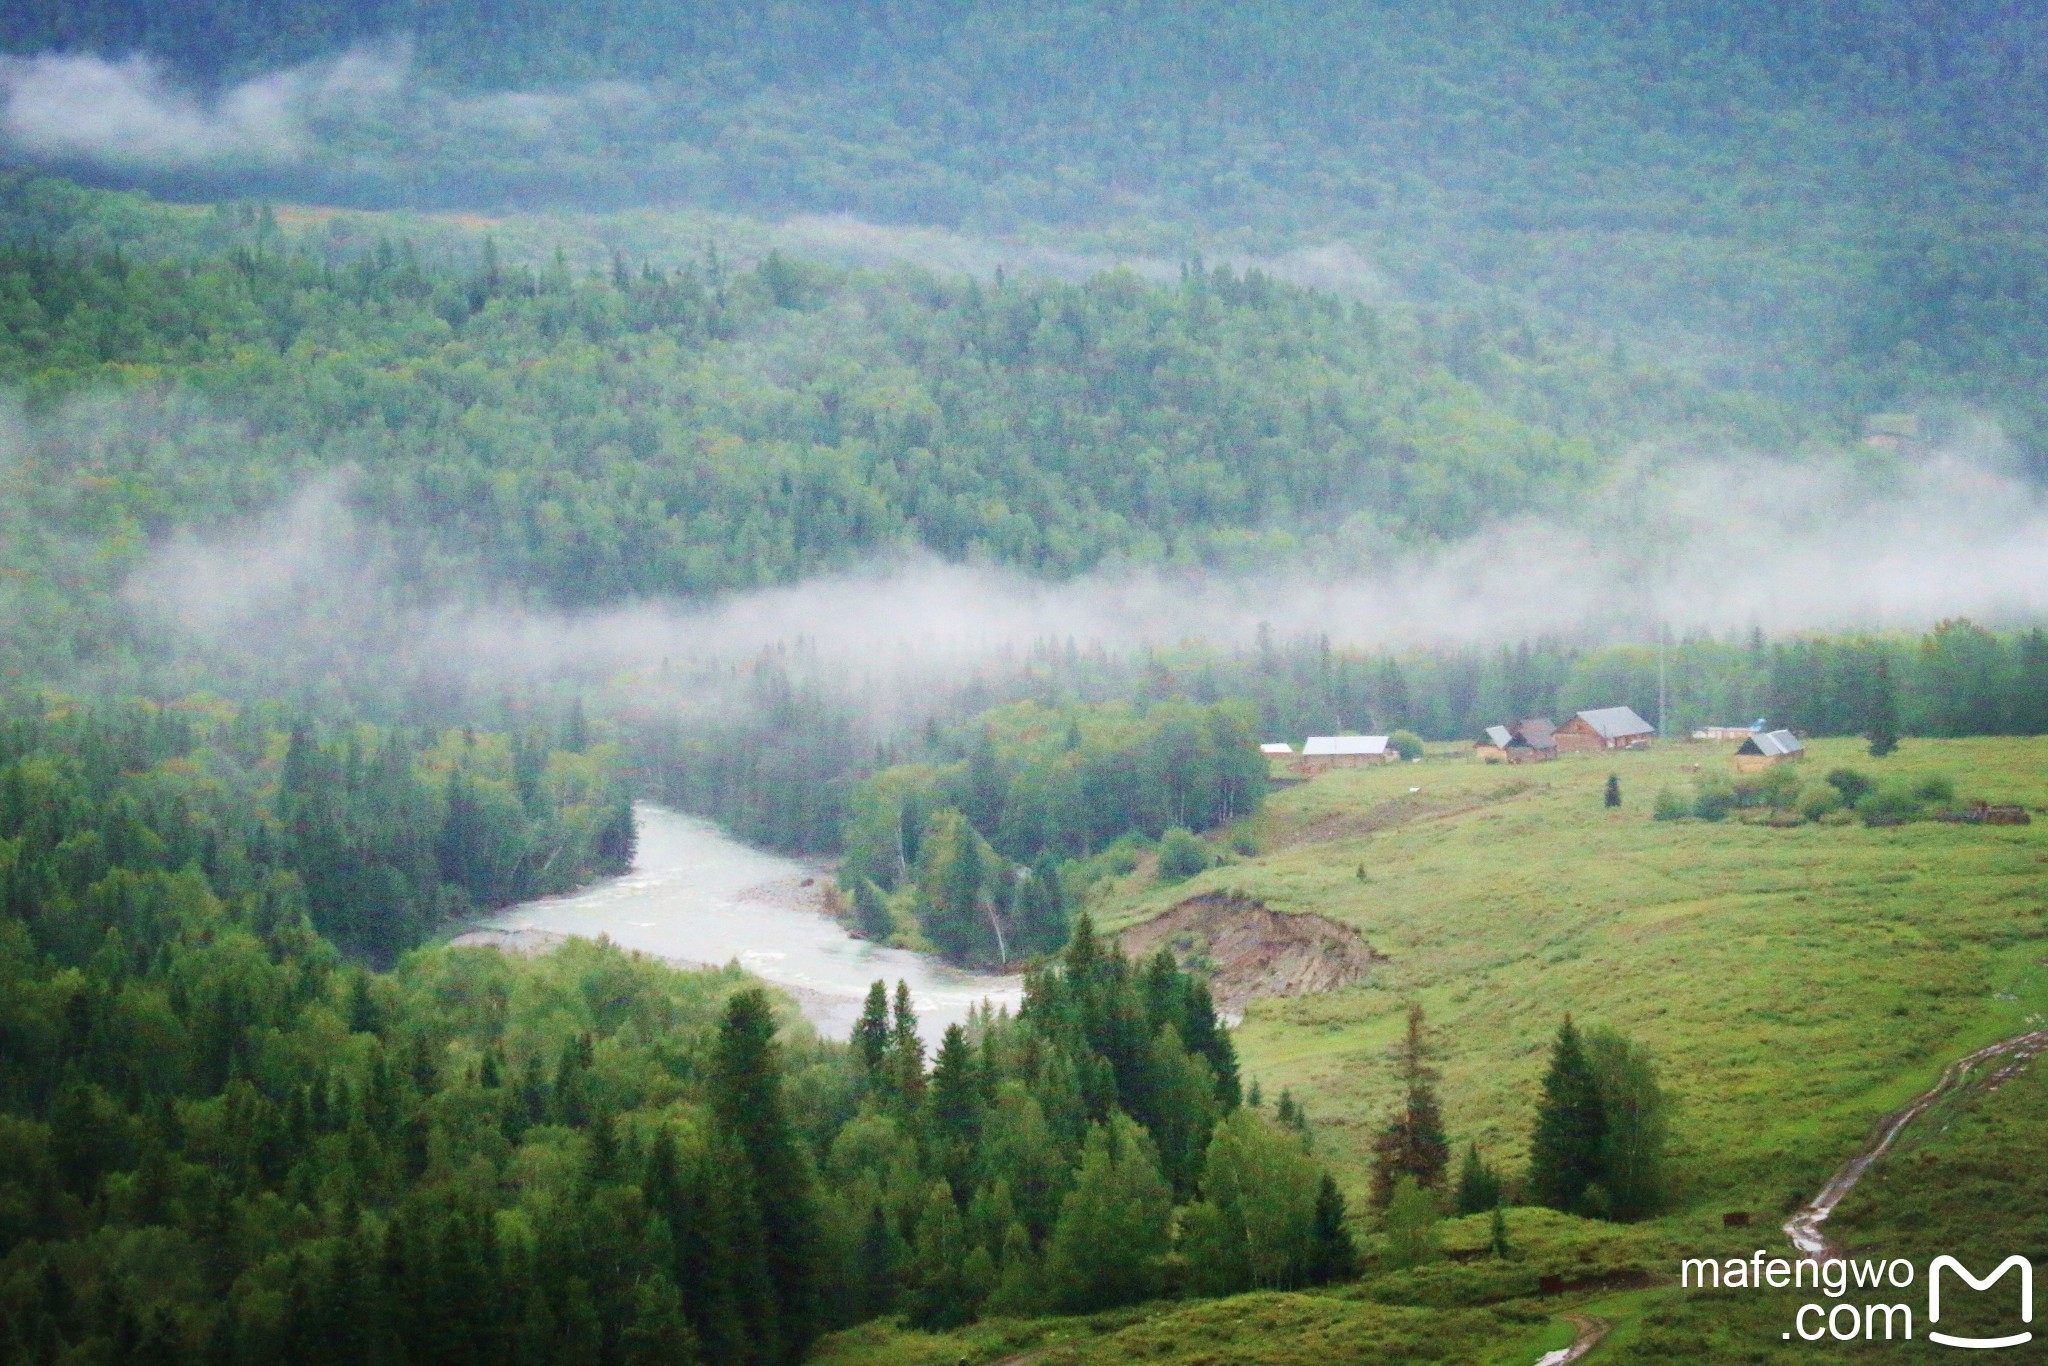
column 132, row 112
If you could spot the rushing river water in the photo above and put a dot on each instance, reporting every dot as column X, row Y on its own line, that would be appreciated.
column 696, row 895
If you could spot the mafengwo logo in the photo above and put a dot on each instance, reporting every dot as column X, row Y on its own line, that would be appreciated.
column 1863, row 1318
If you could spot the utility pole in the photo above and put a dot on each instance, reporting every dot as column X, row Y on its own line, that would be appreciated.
column 1660, row 678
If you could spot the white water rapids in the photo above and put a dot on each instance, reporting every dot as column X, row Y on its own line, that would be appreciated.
column 697, row 896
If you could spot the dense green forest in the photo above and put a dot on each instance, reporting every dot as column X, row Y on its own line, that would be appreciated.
column 223, row 1143
column 975, row 848
column 1837, row 200
column 111, row 818
column 577, row 442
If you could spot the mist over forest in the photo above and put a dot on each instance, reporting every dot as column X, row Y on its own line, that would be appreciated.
column 941, row 440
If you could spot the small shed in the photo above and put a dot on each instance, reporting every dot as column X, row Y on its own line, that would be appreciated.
column 1529, row 740
column 1769, row 747
column 1492, row 747
column 1604, row 728
column 1277, row 751
column 1325, row 752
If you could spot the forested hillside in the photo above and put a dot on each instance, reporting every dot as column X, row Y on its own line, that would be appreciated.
column 571, row 441
column 1838, row 200
column 223, row 1143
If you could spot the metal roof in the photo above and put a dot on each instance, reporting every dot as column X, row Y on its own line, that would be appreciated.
column 1344, row 744
column 1276, row 749
column 1617, row 723
column 1500, row 735
column 1537, row 730
column 1776, row 743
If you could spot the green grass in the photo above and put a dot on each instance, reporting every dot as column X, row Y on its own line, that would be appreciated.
column 1797, row 984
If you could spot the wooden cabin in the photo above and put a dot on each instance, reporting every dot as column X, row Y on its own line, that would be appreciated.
column 1325, row 752
column 1766, row 748
column 1604, row 728
column 1530, row 740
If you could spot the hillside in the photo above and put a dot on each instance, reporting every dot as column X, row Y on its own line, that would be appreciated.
column 1835, row 202
column 1504, row 897
column 1795, row 983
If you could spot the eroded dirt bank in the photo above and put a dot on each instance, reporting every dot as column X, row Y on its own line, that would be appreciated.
column 1249, row 950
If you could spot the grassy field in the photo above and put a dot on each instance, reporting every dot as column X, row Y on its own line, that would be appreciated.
column 1795, row 983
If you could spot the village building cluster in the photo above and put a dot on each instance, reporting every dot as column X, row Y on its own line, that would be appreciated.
column 1534, row 739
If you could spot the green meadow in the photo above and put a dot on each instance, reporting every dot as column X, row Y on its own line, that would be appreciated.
column 1795, row 983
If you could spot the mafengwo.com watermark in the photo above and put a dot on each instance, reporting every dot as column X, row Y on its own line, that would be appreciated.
column 1861, row 1300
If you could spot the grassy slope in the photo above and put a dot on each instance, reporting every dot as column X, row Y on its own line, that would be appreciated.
column 1797, row 984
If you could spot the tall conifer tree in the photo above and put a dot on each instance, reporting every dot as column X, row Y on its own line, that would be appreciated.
column 1564, row 1155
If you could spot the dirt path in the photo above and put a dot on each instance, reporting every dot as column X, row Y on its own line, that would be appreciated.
column 1803, row 1228
column 1590, row 1331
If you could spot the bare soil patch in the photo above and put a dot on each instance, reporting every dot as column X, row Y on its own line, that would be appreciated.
column 1248, row 950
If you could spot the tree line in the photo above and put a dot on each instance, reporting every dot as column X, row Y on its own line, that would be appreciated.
column 381, row 835
column 973, row 855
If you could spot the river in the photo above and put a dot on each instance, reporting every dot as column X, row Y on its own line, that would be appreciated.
column 698, row 896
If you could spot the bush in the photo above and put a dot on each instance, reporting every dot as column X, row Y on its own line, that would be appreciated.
column 1406, row 743
column 1889, row 806
column 1670, row 806
column 1816, row 802
column 1182, row 854
column 1935, row 791
column 1779, row 787
column 1714, row 800
column 1853, row 786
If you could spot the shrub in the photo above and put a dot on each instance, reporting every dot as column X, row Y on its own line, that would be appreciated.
column 1779, row 787
column 1889, row 806
column 1935, row 791
column 1182, row 854
column 1816, row 802
column 1853, row 786
column 1406, row 743
column 1670, row 806
column 1714, row 800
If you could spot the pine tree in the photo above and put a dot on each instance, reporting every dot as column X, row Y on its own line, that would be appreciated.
column 1565, row 1152
column 1412, row 1142
column 746, row 1092
column 871, row 1031
column 906, row 1050
column 1613, row 789
column 1881, row 722
column 1333, row 1255
column 1479, row 1186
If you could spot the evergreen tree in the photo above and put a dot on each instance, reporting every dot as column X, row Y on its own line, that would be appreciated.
column 1565, row 1152
column 1333, row 1255
column 746, row 1092
column 1613, row 790
column 1412, row 1142
column 871, row 1032
column 1479, row 1186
